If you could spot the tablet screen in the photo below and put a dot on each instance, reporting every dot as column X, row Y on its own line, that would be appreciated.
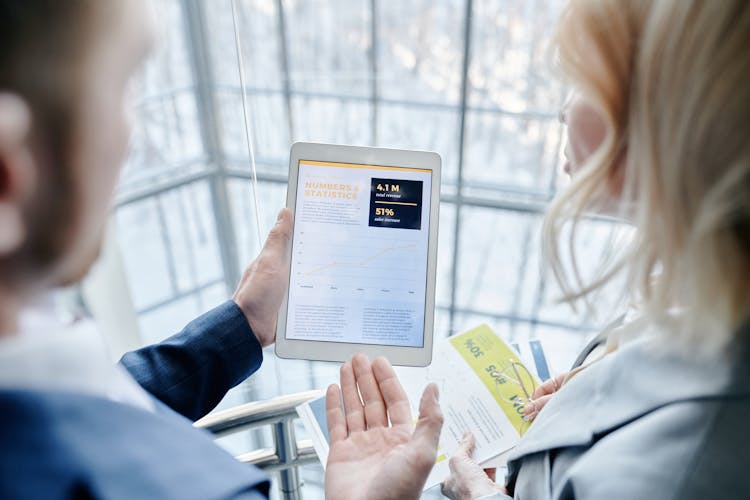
column 359, row 254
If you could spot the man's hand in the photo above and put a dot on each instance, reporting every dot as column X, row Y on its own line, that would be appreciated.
column 468, row 480
column 370, row 459
column 264, row 282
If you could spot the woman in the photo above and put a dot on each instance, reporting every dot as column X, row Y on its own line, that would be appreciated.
column 659, row 134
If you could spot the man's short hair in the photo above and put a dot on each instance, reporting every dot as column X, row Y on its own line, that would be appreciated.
column 43, row 47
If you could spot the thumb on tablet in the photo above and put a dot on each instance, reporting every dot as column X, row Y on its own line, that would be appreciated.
column 278, row 237
column 261, row 289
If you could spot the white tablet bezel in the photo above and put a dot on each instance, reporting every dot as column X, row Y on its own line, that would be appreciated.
column 343, row 351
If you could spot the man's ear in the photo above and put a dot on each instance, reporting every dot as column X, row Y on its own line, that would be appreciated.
column 17, row 170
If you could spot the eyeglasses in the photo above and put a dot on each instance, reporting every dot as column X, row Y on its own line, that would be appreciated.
column 515, row 373
column 514, row 384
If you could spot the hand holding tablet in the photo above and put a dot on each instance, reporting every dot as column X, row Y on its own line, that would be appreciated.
column 363, row 254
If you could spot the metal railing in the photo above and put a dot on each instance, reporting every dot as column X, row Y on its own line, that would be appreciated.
column 288, row 454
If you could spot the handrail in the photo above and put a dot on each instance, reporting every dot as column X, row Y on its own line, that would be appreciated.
column 288, row 453
column 255, row 414
column 268, row 460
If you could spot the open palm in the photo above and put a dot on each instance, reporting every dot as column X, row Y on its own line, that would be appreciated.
column 368, row 458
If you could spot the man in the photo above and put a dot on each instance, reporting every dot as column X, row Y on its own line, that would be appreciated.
column 71, row 424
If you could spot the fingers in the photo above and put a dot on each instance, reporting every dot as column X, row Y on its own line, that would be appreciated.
column 466, row 446
column 549, row 386
column 465, row 475
column 360, row 377
column 396, row 401
column 467, row 479
column 534, row 406
column 546, row 387
column 280, row 234
column 427, row 432
column 334, row 415
column 355, row 417
column 541, row 396
column 375, row 415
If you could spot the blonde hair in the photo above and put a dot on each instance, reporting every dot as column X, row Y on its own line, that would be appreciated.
column 671, row 79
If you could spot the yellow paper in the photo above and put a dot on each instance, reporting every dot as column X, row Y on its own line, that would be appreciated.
column 499, row 368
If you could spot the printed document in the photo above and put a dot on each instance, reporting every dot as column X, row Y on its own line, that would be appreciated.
column 484, row 384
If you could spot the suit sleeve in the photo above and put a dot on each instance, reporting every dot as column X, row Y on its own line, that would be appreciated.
column 192, row 371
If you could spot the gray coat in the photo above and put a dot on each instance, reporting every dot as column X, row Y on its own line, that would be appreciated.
column 641, row 425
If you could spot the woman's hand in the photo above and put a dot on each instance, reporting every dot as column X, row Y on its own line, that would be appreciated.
column 467, row 480
column 370, row 458
column 542, row 395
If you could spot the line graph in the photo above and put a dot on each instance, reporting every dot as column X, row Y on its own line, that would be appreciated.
column 387, row 266
column 362, row 263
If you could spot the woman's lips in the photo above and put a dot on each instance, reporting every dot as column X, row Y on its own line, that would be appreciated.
column 566, row 166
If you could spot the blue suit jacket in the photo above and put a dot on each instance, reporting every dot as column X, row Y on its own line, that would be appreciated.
column 67, row 445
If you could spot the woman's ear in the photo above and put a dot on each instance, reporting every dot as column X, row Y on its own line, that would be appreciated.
column 616, row 177
column 17, row 170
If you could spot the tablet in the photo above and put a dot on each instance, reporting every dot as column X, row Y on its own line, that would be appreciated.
column 363, row 254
